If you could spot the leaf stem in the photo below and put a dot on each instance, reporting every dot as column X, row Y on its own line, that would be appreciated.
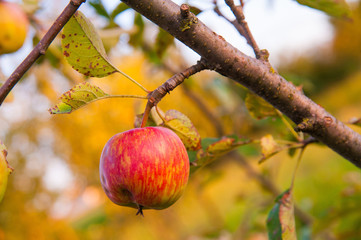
column 289, row 126
column 296, row 168
column 124, row 96
column 132, row 80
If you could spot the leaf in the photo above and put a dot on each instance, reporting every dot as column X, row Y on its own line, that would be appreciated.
column 184, row 128
column 259, row 108
column 162, row 42
column 153, row 119
column 353, row 121
column 213, row 148
column 99, row 8
column 292, row 151
column 221, row 146
column 136, row 39
column 335, row 8
column 84, row 49
column 119, row 9
column 77, row 97
column 281, row 219
column 5, row 170
column 269, row 147
column 195, row 10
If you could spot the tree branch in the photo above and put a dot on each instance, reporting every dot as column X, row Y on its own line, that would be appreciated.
column 254, row 74
column 242, row 24
column 199, row 102
column 40, row 48
column 155, row 96
column 242, row 27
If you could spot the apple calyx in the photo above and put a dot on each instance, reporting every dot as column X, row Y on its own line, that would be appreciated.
column 140, row 211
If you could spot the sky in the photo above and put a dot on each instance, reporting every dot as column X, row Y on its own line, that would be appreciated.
column 283, row 27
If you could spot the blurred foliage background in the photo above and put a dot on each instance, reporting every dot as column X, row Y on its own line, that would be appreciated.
column 55, row 192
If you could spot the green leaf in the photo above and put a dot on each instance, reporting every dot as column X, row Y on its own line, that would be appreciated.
column 192, row 155
column 136, row 39
column 153, row 119
column 335, row 8
column 84, row 49
column 220, row 147
column 162, row 42
column 292, row 151
column 184, row 128
column 5, row 170
column 213, row 148
column 195, row 10
column 259, row 108
column 119, row 9
column 269, row 147
column 99, row 8
column 281, row 219
column 77, row 97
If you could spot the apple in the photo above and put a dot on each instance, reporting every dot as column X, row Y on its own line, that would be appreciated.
column 5, row 170
column 144, row 168
column 13, row 27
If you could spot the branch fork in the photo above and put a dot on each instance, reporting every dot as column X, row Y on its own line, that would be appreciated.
column 157, row 95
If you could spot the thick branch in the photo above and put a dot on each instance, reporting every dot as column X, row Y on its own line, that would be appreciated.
column 254, row 74
column 40, row 48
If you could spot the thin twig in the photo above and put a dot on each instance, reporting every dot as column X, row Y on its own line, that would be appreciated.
column 155, row 96
column 242, row 27
column 238, row 13
column 40, row 48
column 200, row 103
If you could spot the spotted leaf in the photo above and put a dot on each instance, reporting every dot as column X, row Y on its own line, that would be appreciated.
column 213, row 148
column 259, row 108
column 77, row 97
column 184, row 128
column 84, row 49
column 281, row 219
column 269, row 147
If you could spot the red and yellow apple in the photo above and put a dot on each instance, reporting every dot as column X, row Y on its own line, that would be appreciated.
column 5, row 170
column 13, row 27
column 144, row 168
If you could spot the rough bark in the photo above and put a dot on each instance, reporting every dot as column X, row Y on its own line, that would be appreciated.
column 256, row 75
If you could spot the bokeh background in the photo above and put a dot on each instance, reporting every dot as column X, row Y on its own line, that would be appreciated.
column 55, row 191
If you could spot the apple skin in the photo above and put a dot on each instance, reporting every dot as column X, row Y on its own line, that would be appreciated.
column 14, row 26
column 5, row 170
column 144, row 168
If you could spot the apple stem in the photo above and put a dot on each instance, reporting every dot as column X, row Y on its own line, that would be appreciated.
column 140, row 211
column 148, row 107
